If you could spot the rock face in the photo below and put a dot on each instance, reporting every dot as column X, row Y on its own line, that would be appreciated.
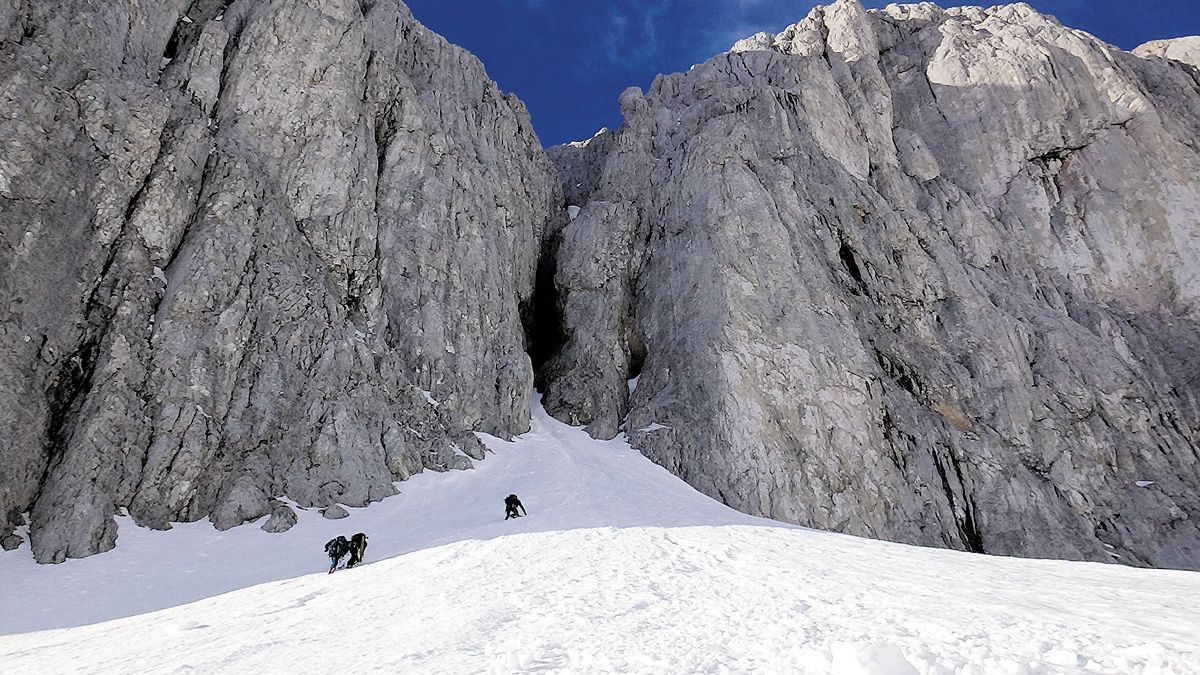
column 1185, row 50
column 919, row 274
column 335, row 512
column 282, row 518
column 251, row 249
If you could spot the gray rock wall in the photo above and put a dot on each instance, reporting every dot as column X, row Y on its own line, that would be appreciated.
column 918, row 274
column 915, row 274
column 241, row 242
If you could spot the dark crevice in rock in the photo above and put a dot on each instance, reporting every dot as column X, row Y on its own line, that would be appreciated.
column 354, row 305
column 1059, row 155
column 191, row 24
column 967, row 529
column 846, row 253
column 637, row 359
column 63, row 398
column 1107, row 532
column 164, row 137
column 231, row 49
column 897, row 441
column 385, row 131
column 970, row 530
column 29, row 28
column 1063, row 153
column 205, row 174
column 899, row 373
column 172, row 48
column 542, row 314
column 968, row 526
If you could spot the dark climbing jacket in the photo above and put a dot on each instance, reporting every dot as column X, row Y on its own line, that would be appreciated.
column 336, row 548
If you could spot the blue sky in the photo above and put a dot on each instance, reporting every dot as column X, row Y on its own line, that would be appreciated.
column 568, row 60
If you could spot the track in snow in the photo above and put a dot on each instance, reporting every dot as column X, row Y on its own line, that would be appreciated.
column 566, row 480
column 620, row 567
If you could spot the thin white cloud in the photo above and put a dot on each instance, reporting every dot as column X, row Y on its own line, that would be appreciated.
column 630, row 36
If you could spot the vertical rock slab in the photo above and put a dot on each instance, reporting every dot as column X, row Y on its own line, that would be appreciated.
column 255, row 250
column 918, row 274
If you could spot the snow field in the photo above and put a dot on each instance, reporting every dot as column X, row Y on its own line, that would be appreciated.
column 620, row 567
column 704, row 599
column 565, row 479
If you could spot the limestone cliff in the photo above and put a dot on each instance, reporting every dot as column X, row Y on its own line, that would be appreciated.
column 251, row 250
column 1185, row 50
column 919, row 274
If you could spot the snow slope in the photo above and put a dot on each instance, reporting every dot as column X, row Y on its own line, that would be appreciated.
column 620, row 567
column 565, row 479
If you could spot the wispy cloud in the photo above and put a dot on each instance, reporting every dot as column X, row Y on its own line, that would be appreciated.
column 632, row 34
column 631, row 38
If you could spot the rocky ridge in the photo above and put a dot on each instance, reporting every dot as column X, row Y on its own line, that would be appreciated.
column 1185, row 50
column 251, row 250
column 919, row 274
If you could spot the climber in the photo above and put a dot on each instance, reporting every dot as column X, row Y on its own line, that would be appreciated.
column 337, row 549
column 511, row 504
column 358, row 549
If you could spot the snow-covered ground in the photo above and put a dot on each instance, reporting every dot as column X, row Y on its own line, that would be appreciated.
column 619, row 567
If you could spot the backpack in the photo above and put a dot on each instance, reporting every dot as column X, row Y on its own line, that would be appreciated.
column 337, row 547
